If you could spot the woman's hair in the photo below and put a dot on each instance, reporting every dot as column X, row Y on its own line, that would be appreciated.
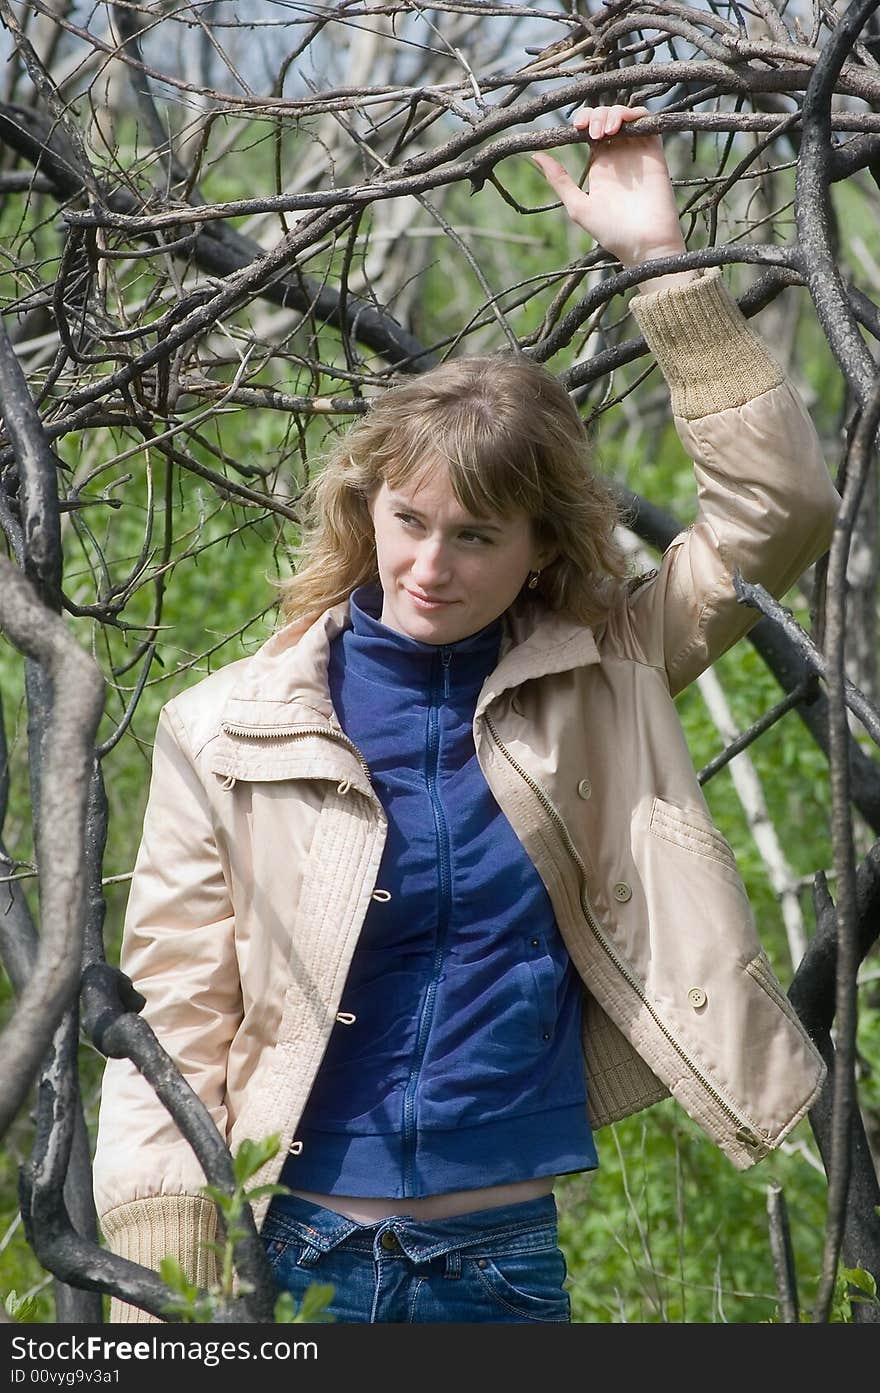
column 511, row 439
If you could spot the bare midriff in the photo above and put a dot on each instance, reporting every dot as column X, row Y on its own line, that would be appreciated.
column 367, row 1210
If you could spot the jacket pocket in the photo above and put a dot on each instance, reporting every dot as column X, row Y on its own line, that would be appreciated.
column 544, row 982
column 760, row 970
column 693, row 832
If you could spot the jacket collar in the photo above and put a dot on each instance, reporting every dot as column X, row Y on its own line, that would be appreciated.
column 537, row 642
column 284, row 688
column 291, row 667
column 286, row 679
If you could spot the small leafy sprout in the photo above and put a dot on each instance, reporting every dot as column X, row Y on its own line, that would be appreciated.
column 312, row 1307
column 22, row 1308
column 250, row 1157
column 865, row 1284
column 187, row 1302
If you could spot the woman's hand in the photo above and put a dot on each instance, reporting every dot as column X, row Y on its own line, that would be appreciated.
column 629, row 206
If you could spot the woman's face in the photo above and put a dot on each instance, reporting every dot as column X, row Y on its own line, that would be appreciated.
column 445, row 573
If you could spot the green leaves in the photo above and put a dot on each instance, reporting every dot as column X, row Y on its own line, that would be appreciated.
column 25, row 1308
column 312, row 1307
column 863, row 1281
column 251, row 1156
column 187, row 1302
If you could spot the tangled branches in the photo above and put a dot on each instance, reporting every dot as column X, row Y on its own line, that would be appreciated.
column 222, row 237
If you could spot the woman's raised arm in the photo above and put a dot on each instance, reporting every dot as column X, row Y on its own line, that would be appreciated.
column 767, row 504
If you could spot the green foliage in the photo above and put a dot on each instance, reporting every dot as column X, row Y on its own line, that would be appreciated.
column 853, row 1286
column 24, row 1308
column 191, row 1305
column 864, row 1282
column 668, row 1231
column 20, row 1271
column 313, row 1307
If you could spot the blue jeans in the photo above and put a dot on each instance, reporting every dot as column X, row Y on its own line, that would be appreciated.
column 494, row 1265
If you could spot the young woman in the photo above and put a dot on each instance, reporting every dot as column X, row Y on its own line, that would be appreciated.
column 427, row 885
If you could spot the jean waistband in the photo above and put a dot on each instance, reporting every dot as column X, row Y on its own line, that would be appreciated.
column 527, row 1224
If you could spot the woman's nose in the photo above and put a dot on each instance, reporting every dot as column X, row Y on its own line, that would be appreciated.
column 430, row 563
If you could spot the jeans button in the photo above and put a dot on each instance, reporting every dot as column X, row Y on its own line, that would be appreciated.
column 389, row 1241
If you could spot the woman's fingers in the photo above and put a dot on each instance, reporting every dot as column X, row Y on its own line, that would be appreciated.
column 629, row 204
column 559, row 179
column 599, row 121
column 555, row 173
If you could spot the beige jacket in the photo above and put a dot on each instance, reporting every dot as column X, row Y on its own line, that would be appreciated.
column 263, row 836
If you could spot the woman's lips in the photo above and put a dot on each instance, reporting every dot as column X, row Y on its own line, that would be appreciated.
column 428, row 601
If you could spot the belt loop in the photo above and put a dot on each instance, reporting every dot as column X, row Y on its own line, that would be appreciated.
column 453, row 1264
column 308, row 1256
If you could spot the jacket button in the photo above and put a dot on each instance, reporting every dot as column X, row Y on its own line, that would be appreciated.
column 697, row 997
column 585, row 788
column 389, row 1241
column 622, row 892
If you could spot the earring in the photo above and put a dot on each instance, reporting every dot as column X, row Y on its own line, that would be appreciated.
column 533, row 580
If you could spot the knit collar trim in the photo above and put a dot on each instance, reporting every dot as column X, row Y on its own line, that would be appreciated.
column 381, row 654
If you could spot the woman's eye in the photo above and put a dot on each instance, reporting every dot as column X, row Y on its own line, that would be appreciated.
column 476, row 537
column 406, row 518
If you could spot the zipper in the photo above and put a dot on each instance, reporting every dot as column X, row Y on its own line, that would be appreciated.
column 426, row 1019
column 297, row 733
column 445, row 660
column 745, row 1131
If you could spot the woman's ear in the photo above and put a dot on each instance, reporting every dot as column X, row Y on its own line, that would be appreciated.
column 546, row 550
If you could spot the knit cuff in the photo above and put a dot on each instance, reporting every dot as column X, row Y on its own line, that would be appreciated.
column 706, row 350
column 145, row 1231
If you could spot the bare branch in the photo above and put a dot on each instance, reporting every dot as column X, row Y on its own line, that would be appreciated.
column 78, row 699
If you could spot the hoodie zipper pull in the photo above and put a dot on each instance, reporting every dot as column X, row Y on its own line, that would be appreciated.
column 445, row 659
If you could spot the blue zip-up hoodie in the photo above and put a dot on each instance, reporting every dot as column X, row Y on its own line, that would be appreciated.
column 462, row 1067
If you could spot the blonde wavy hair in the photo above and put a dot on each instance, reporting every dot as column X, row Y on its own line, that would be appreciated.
column 511, row 439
